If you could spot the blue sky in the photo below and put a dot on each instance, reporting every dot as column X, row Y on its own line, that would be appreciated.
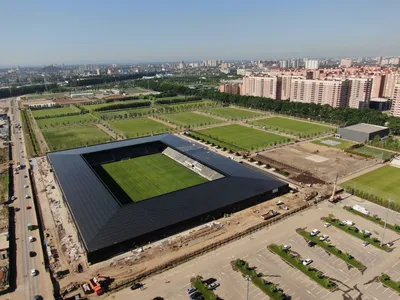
column 76, row 31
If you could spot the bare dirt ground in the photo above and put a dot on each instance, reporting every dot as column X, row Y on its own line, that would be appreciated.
column 59, row 229
column 320, row 161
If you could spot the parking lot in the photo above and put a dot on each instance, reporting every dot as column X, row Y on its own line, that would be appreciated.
column 352, row 284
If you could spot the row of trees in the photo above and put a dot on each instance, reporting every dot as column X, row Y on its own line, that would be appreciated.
column 322, row 113
column 61, row 115
column 31, row 89
column 124, row 105
column 178, row 100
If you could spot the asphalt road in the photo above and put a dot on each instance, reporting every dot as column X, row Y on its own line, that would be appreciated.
column 27, row 286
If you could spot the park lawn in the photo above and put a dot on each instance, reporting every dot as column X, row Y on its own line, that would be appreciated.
column 92, row 107
column 139, row 127
column 125, row 112
column 378, row 153
column 190, row 119
column 344, row 144
column 151, row 175
column 244, row 137
column 4, row 181
column 54, row 112
column 231, row 113
column 65, row 121
column 294, row 127
column 382, row 182
column 75, row 136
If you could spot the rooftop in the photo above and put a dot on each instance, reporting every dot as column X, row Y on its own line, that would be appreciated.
column 367, row 128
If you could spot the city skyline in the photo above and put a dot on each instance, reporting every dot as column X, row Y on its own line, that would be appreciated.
column 100, row 32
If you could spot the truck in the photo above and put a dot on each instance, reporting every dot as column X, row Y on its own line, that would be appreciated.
column 361, row 209
column 272, row 213
column 96, row 286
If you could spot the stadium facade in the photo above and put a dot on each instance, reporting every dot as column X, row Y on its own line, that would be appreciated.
column 110, row 223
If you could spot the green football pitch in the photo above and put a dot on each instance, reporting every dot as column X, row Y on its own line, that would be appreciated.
column 382, row 182
column 243, row 136
column 231, row 113
column 295, row 127
column 150, row 176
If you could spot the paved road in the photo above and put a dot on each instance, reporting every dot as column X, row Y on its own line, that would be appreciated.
column 27, row 286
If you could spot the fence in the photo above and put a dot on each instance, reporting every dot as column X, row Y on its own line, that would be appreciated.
column 171, row 264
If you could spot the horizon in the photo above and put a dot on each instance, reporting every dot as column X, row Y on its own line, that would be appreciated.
column 99, row 32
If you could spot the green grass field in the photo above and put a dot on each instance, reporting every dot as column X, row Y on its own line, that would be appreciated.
column 294, row 127
column 139, row 127
column 190, row 119
column 123, row 112
column 378, row 153
column 54, row 112
column 65, row 121
column 343, row 143
column 134, row 90
column 382, row 182
column 152, row 175
column 45, row 96
column 231, row 113
column 72, row 137
column 243, row 136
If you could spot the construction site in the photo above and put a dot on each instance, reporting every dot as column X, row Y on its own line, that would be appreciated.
column 310, row 163
column 67, row 256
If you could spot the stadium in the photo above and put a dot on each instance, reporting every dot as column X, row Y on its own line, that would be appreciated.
column 128, row 193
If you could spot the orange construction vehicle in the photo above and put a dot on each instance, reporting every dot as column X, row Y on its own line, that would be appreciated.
column 96, row 286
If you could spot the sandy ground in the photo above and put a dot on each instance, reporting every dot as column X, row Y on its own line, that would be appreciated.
column 323, row 162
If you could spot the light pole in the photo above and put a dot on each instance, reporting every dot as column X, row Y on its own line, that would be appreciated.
column 384, row 227
column 248, row 278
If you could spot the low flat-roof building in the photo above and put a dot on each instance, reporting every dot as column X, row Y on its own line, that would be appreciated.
column 362, row 132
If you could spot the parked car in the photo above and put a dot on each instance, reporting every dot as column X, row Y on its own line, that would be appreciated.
column 32, row 253
column 311, row 244
column 195, row 295
column 286, row 247
column 33, row 272
column 27, row 196
column 389, row 244
column 324, row 237
column 37, row 297
column 25, row 186
column 32, row 239
column 136, row 286
column 326, row 225
column 213, row 285
column 307, row 261
column 315, row 232
column 191, row 290
column 28, row 207
column 365, row 243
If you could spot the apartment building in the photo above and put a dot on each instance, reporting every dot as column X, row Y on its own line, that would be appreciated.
column 377, row 86
column 359, row 92
column 262, row 86
column 396, row 101
column 346, row 62
column 391, row 79
column 332, row 92
column 231, row 88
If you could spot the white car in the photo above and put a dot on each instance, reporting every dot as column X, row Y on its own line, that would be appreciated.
column 33, row 272
column 32, row 239
column 324, row 237
column 307, row 261
column 279, row 203
column 286, row 247
column 27, row 196
column 326, row 225
column 25, row 186
column 315, row 232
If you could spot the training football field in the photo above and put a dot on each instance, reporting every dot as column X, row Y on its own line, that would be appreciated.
column 152, row 175
column 382, row 182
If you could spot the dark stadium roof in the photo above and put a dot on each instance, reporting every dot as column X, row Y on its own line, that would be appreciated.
column 103, row 222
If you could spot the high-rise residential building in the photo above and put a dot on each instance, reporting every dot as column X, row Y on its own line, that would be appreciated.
column 331, row 92
column 378, row 60
column 359, row 92
column 396, row 101
column 384, row 62
column 390, row 81
column 261, row 86
column 294, row 63
column 211, row 63
column 231, row 88
column 312, row 64
column 394, row 61
column 285, row 87
column 284, row 64
column 346, row 62
column 378, row 82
